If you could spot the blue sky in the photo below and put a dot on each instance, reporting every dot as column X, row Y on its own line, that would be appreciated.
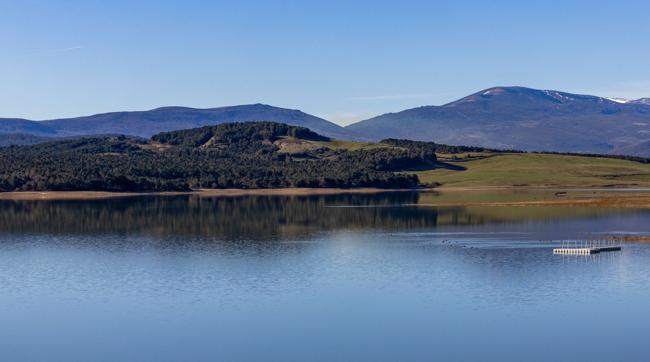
column 342, row 60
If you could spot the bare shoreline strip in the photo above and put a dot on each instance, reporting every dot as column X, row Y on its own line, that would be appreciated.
column 90, row 195
column 595, row 198
column 597, row 201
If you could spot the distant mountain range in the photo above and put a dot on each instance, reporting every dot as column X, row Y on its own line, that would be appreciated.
column 501, row 117
column 147, row 123
column 525, row 119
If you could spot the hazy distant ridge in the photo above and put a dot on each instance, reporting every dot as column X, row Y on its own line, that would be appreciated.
column 148, row 123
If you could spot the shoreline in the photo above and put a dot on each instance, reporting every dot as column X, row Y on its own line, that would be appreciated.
column 567, row 197
column 627, row 188
column 93, row 195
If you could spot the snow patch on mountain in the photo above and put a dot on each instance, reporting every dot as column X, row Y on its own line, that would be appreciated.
column 619, row 100
column 562, row 97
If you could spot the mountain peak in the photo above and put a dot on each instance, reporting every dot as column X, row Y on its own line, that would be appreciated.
column 518, row 94
column 501, row 94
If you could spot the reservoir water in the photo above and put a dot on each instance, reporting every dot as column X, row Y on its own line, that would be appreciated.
column 385, row 277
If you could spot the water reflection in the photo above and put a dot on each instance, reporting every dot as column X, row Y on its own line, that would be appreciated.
column 263, row 217
column 340, row 277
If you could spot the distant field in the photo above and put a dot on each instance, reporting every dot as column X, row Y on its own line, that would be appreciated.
column 540, row 170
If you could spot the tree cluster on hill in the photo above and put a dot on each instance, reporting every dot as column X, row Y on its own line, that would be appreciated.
column 238, row 155
column 236, row 134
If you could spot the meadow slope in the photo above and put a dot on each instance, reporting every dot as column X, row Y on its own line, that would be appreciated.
column 539, row 170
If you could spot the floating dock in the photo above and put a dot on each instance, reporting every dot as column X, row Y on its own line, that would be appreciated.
column 574, row 247
column 585, row 251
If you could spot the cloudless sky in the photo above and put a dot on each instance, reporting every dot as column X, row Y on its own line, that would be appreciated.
column 341, row 60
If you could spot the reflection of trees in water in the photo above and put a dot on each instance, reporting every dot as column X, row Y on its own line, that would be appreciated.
column 244, row 217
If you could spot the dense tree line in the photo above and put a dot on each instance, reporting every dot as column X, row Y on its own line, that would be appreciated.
column 240, row 155
column 432, row 147
column 392, row 159
column 447, row 149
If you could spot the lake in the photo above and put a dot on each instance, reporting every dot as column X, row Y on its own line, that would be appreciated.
column 381, row 277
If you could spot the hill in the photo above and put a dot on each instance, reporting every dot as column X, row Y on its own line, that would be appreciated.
column 521, row 118
column 255, row 155
column 148, row 123
column 23, row 126
column 231, row 155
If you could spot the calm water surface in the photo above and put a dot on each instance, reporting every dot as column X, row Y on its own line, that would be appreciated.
column 344, row 278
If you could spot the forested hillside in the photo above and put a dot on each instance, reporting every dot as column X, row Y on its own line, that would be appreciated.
column 233, row 155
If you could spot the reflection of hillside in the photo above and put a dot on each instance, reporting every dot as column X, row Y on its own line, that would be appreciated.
column 256, row 217
column 497, row 214
column 253, row 217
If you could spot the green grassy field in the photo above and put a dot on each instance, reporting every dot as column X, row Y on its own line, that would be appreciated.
column 540, row 170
